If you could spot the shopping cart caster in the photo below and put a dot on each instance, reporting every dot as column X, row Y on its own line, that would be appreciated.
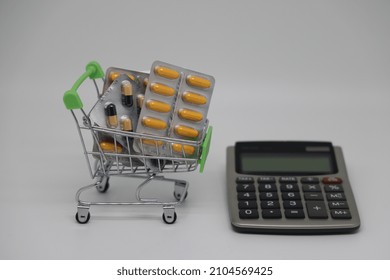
column 82, row 215
column 103, row 184
column 178, row 195
column 180, row 188
column 169, row 216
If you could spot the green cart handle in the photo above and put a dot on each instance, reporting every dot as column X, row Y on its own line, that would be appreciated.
column 205, row 149
column 71, row 97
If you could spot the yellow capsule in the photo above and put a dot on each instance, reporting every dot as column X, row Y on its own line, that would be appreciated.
column 112, row 121
column 158, row 106
column 152, row 142
column 166, row 72
column 109, row 147
column 127, row 93
column 111, row 117
column 179, row 148
column 197, row 81
column 190, row 115
column 140, row 100
column 114, row 75
column 146, row 80
column 126, row 124
column 186, row 131
column 154, row 123
column 126, row 88
column 162, row 89
column 131, row 77
column 194, row 98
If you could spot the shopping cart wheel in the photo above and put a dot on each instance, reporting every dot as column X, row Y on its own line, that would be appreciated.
column 180, row 188
column 83, row 219
column 178, row 195
column 103, row 185
column 169, row 216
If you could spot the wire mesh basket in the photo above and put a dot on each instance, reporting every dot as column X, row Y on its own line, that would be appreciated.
column 127, row 155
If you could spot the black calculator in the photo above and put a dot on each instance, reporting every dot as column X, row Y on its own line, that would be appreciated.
column 289, row 187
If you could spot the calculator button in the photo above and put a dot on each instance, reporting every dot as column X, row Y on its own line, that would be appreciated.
column 316, row 210
column 338, row 205
column 269, row 196
column 288, row 180
column 270, row 204
column 331, row 180
column 245, row 188
column 291, row 196
column 247, row 204
column 311, row 188
column 333, row 188
column 249, row 214
column 335, row 196
column 310, row 180
column 341, row 214
column 246, row 196
column 271, row 214
column 245, row 180
column 267, row 188
column 292, row 204
column 289, row 188
column 314, row 196
column 294, row 214
column 266, row 179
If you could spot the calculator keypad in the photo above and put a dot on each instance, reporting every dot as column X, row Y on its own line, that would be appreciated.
column 291, row 198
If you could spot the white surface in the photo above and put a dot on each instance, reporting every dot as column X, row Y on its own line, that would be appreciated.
column 302, row 70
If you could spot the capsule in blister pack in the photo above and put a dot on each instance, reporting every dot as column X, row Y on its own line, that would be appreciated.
column 157, row 108
column 117, row 109
column 191, row 108
column 111, row 115
column 175, row 106
column 140, row 78
column 113, row 73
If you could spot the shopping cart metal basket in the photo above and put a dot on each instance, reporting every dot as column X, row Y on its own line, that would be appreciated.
column 126, row 161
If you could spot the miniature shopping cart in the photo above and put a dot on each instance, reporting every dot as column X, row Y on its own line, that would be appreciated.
column 129, row 163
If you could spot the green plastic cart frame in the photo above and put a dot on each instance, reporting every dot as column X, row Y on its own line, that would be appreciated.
column 127, row 162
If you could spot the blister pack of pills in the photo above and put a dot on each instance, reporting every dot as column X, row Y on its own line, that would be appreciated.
column 140, row 78
column 175, row 106
column 114, row 151
column 117, row 109
column 113, row 73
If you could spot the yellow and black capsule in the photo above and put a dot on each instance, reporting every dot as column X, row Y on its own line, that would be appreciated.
column 140, row 102
column 126, row 124
column 112, row 119
column 127, row 93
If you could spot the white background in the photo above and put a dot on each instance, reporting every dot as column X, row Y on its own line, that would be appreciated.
column 284, row 70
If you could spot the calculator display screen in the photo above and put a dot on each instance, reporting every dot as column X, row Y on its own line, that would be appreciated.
column 285, row 158
column 286, row 163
